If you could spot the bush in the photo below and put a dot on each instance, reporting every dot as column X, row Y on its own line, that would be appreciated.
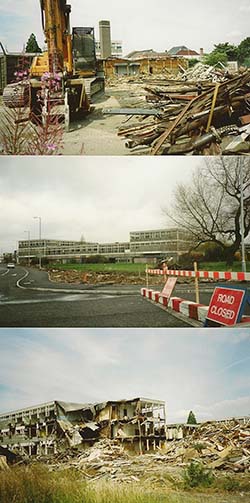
column 213, row 252
column 230, row 484
column 197, row 475
column 192, row 62
column 94, row 259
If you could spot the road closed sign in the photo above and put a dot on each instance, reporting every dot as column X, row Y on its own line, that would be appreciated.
column 226, row 306
column 168, row 288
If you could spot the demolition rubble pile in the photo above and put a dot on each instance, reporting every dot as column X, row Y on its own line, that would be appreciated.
column 107, row 460
column 205, row 112
column 95, row 278
column 223, row 446
column 202, row 72
column 73, row 276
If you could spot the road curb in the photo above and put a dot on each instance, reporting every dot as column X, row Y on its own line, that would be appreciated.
column 189, row 309
column 90, row 291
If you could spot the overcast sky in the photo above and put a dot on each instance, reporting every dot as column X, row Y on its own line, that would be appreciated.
column 204, row 370
column 101, row 198
column 140, row 25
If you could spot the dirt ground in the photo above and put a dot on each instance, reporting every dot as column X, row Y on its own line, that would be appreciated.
column 96, row 134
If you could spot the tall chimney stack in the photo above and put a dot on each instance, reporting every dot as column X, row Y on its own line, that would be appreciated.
column 105, row 39
column 201, row 52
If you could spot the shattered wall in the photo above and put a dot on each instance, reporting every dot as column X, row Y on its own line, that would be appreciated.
column 114, row 67
column 50, row 427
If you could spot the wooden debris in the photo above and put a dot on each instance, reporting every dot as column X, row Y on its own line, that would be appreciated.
column 200, row 116
column 217, row 445
column 95, row 278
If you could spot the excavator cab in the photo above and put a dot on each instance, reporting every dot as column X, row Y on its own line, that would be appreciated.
column 84, row 53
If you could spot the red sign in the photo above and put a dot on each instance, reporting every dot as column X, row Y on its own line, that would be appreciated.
column 169, row 287
column 225, row 305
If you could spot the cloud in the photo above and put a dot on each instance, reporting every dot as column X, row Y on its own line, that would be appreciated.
column 88, row 365
column 19, row 8
column 225, row 408
column 136, row 32
column 234, row 34
column 217, row 410
column 103, row 201
column 235, row 364
column 245, row 8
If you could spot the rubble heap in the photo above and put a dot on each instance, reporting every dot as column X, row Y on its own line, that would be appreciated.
column 202, row 72
column 224, row 446
column 207, row 113
column 95, row 278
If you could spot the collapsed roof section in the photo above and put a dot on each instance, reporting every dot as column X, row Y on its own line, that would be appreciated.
column 43, row 429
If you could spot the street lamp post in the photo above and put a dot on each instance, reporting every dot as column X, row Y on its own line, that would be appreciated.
column 40, row 238
column 243, row 256
column 28, row 232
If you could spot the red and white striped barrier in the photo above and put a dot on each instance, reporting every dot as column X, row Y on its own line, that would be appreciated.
column 226, row 275
column 188, row 308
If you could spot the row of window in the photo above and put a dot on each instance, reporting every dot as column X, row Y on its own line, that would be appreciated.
column 42, row 244
column 159, row 246
column 143, row 236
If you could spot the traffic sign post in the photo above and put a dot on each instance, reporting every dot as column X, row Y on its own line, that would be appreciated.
column 168, row 288
column 226, row 306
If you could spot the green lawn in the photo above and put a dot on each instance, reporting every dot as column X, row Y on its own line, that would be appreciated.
column 140, row 268
column 119, row 267
column 222, row 266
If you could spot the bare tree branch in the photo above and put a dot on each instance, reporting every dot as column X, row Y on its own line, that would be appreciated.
column 209, row 207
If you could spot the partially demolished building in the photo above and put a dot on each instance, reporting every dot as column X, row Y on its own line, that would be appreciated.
column 139, row 423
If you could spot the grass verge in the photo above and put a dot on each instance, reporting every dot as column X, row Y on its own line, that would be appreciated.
column 125, row 268
column 102, row 268
column 37, row 484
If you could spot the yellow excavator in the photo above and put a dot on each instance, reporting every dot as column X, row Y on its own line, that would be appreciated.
column 70, row 60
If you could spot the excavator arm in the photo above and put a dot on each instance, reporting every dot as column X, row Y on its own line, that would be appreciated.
column 72, row 57
column 55, row 16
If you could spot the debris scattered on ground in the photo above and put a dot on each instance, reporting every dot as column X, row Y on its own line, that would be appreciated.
column 76, row 277
column 204, row 111
column 202, row 72
column 95, row 278
column 218, row 445
column 222, row 445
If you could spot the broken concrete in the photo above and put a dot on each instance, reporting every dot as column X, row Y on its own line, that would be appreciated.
column 139, row 423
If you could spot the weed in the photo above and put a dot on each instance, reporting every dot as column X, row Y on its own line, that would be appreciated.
column 230, row 484
column 22, row 133
column 197, row 475
column 199, row 446
column 38, row 484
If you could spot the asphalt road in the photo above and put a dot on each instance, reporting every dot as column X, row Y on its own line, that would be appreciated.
column 29, row 299
column 63, row 305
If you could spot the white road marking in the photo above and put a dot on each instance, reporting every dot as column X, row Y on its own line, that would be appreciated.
column 23, row 277
column 6, row 272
